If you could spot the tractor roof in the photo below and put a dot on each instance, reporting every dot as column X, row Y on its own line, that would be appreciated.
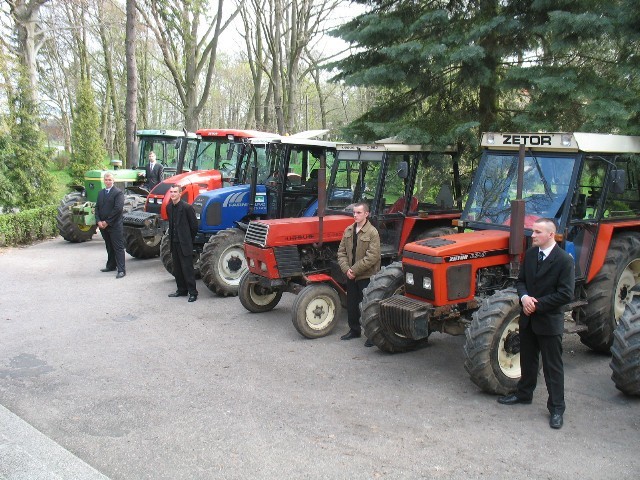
column 395, row 147
column 563, row 141
column 164, row 133
column 225, row 132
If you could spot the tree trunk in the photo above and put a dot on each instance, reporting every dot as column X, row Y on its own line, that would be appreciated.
column 131, row 115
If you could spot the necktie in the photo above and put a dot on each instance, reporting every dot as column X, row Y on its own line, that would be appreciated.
column 540, row 257
column 108, row 190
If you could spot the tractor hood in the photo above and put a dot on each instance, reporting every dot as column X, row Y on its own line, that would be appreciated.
column 461, row 246
column 296, row 231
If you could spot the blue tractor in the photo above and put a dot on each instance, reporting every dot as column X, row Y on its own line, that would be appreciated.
column 280, row 182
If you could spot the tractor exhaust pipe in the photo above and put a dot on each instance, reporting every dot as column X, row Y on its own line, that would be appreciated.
column 516, row 229
column 322, row 196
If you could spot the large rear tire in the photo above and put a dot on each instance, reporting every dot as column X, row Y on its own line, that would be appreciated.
column 492, row 348
column 70, row 231
column 610, row 291
column 625, row 351
column 316, row 310
column 139, row 246
column 223, row 263
column 167, row 261
column 387, row 282
column 256, row 298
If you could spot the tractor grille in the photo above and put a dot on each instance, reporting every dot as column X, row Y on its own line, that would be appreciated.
column 288, row 261
column 137, row 218
column 257, row 234
column 405, row 316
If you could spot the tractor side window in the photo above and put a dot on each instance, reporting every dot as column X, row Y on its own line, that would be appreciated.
column 394, row 196
column 433, row 187
column 355, row 181
column 590, row 187
column 627, row 203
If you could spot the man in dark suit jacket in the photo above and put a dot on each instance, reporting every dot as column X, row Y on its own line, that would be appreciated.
column 183, row 227
column 153, row 171
column 109, row 217
column 545, row 284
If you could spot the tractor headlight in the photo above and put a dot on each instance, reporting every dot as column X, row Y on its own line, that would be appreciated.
column 426, row 283
column 252, row 263
column 263, row 266
column 409, row 279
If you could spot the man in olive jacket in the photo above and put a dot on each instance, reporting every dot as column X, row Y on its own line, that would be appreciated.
column 359, row 259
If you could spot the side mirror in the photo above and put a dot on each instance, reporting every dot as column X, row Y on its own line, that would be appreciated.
column 618, row 181
column 403, row 170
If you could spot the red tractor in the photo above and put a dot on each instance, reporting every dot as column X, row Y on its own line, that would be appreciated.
column 411, row 191
column 218, row 160
column 464, row 283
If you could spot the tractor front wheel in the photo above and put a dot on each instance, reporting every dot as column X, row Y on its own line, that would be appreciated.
column 316, row 310
column 70, row 231
column 492, row 348
column 223, row 263
column 256, row 298
column 139, row 246
column 625, row 351
column 387, row 282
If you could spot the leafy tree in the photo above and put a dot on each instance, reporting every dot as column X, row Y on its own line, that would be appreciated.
column 88, row 149
column 24, row 178
column 447, row 70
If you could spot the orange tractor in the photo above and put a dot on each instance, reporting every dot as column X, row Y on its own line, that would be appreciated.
column 464, row 283
column 411, row 191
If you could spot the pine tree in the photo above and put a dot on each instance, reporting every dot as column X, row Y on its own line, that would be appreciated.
column 88, row 150
column 448, row 70
column 25, row 181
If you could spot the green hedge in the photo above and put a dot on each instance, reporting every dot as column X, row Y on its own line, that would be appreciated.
column 28, row 226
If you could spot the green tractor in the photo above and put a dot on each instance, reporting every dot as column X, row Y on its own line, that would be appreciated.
column 76, row 212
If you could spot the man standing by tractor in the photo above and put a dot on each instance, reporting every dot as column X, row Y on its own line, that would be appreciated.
column 183, row 228
column 153, row 172
column 109, row 217
column 359, row 259
column 545, row 284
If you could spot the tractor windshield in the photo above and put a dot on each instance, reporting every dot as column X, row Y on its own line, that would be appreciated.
column 547, row 178
column 354, row 178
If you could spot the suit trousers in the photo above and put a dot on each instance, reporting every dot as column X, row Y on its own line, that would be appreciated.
column 114, row 243
column 533, row 346
column 183, row 270
column 354, row 298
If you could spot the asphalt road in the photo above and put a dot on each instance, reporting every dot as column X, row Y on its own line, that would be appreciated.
column 142, row 386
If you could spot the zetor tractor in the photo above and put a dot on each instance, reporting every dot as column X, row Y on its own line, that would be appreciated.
column 216, row 162
column 281, row 182
column 76, row 218
column 410, row 190
column 465, row 283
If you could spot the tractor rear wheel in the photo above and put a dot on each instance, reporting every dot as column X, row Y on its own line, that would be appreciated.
column 387, row 282
column 492, row 348
column 167, row 261
column 256, row 298
column 610, row 291
column 223, row 263
column 70, row 231
column 316, row 310
column 625, row 351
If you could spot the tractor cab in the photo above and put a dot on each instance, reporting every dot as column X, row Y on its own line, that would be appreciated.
column 403, row 184
column 167, row 145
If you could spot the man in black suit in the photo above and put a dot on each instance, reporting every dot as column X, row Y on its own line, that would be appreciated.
column 545, row 284
column 109, row 217
column 183, row 227
column 153, row 171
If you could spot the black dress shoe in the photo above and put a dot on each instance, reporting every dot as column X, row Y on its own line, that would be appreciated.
column 368, row 343
column 120, row 274
column 107, row 269
column 512, row 400
column 178, row 294
column 556, row 421
column 192, row 298
column 349, row 335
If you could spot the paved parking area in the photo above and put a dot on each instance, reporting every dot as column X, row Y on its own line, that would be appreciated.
column 118, row 380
